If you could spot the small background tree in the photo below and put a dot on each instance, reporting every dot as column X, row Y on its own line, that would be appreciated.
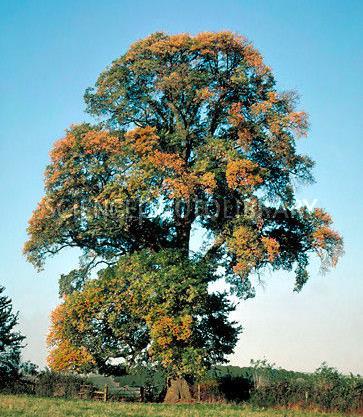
column 10, row 341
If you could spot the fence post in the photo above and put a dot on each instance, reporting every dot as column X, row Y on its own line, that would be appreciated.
column 105, row 393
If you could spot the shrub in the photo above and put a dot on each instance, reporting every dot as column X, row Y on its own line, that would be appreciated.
column 326, row 389
column 53, row 384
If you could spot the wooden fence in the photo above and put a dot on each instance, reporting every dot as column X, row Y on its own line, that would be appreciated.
column 124, row 393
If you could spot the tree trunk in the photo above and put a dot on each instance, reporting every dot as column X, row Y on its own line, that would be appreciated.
column 184, row 215
column 178, row 391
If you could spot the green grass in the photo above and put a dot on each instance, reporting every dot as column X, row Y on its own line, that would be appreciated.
column 16, row 406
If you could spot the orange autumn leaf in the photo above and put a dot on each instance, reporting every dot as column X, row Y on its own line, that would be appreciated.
column 243, row 173
column 272, row 247
column 142, row 140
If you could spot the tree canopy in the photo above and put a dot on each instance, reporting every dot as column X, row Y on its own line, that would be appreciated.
column 149, row 306
column 192, row 137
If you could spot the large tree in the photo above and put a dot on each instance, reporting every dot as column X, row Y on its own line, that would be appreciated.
column 10, row 341
column 192, row 139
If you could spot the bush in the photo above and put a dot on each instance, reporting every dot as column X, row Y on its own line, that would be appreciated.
column 326, row 389
column 208, row 391
column 45, row 384
column 152, row 379
column 53, row 384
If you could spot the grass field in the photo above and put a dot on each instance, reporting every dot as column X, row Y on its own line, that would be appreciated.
column 16, row 406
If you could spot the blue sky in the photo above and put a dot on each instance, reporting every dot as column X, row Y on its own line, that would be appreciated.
column 52, row 50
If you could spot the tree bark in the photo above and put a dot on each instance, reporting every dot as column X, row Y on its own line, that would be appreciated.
column 184, row 215
column 178, row 391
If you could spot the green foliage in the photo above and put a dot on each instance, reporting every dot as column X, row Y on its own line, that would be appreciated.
column 325, row 389
column 29, row 369
column 153, row 307
column 46, row 383
column 10, row 341
column 50, row 384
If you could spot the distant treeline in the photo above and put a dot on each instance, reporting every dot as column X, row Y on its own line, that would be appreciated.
column 261, row 384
